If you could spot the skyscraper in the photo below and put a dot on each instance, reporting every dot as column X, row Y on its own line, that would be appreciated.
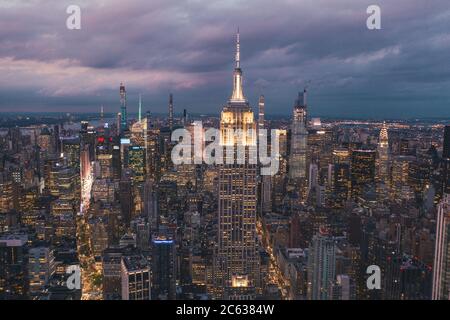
column 237, row 259
column 383, row 155
column 362, row 171
column 321, row 266
column 265, row 180
column 163, row 267
column 261, row 112
column 135, row 278
column 446, row 161
column 123, row 108
column 140, row 108
column 299, row 138
column 13, row 267
column 171, row 112
column 441, row 272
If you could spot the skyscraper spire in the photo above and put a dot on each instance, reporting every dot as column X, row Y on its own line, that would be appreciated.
column 238, row 93
column 140, row 108
column 238, row 51
column 384, row 134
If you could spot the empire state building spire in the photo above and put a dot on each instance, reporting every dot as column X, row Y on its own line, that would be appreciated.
column 238, row 93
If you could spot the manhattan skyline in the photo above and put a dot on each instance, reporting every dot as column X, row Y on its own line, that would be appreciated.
column 156, row 49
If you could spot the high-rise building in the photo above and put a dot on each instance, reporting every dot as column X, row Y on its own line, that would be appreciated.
column 298, row 163
column 261, row 111
column 265, row 180
column 236, row 258
column 140, row 108
column 321, row 266
column 163, row 268
column 41, row 266
column 441, row 272
column 13, row 267
column 299, row 137
column 123, row 108
column 383, row 155
column 136, row 162
column 362, row 171
column 171, row 112
column 341, row 177
column 446, row 161
column 135, row 278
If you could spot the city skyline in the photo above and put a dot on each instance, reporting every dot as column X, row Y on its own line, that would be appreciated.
column 162, row 48
column 233, row 204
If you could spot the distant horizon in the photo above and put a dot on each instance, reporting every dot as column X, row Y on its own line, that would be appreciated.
column 157, row 48
column 268, row 116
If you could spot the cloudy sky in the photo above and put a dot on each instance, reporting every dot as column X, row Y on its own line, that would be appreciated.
column 187, row 47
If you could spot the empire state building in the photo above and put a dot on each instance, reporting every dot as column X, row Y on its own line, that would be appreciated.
column 236, row 265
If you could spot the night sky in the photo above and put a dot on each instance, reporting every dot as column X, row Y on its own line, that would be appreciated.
column 187, row 47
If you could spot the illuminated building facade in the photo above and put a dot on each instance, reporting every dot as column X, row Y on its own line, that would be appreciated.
column 441, row 272
column 383, row 156
column 321, row 266
column 299, row 137
column 14, row 282
column 135, row 278
column 237, row 254
column 362, row 171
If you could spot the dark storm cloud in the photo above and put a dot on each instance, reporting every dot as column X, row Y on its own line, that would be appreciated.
column 187, row 47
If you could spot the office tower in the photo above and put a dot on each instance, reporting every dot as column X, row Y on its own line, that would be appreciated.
column 299, row 136
column 136, row 162
column 119, row 123
column 141, row 228
column 383, row 156
column 185, row 117
column 105, row 166
column 111, row 271
column 171, row 112
column 56, row 139
column 41, row 266
column 44, row 141
column 343, row 288
column 151, row 205
column 441, row 272
column 116, row 159
column 7, row 194
column 237, row 259
column 401, row 172
column 362, row 173
column 406, row 278
column 341, row 177
column 266, row 180
column 140, row 108
column 135, row 278
column 87, row 139
column 446, row 161
column 13, row 267
column 126, row 199
column 100, row 237
column 123, row 108
column 152, row 150
column 261, row 113
column 163, row 267
column 321, row 265
column 71, row 152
